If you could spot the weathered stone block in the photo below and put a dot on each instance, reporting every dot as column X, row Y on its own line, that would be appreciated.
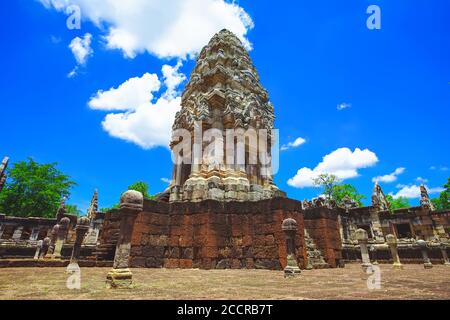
column 153, row 262
column 153, row 251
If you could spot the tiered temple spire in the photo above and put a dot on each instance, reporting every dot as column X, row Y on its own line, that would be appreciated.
column 3, row 176
column 224, row 94
column 93, row 207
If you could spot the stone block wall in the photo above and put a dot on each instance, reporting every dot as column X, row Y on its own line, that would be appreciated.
column 323, row 227
column 212, row 234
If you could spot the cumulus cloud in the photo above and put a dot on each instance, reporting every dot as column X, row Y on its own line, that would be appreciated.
column 128, row 96
column 343, row 105
column 143, row 122
column 172, row 79
column 175, row 28
column 81, row 49
column 342, row 162
column 295, row 144
column 413, row 191
column 389, row 177
column 148, row 126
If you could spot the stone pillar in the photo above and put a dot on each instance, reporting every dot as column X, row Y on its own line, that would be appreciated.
column 443, row 248
column 38, row 249
column 362, row 237
column 53, row 238
column 45, row 247
column 131, row 204
column 17, row 234
column 61, row 237
column 392, row 243
column 376, row 224
column 81, row 229
column 424, row 249
column 290, row 228
column 34, row 234
column 373, row 249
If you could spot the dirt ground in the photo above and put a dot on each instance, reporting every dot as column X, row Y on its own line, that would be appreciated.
column 414, row 282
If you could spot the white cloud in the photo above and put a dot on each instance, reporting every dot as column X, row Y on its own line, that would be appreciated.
column 73, row 73
column 148, row 126
column 344, row 105
column 129, row 95
column 81, row 48
column 175, row 28
column 441, row 168
column 143, row 122
column 295, row 144
column 166, row 180
column 172, row 78
column 421, row 180
column 389, row 177
column 413, row 191
column 342, row 162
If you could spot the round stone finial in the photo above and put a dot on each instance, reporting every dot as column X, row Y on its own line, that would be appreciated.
column 64, row 222
column 55, row 229
column 133, row 200
column 422, row 243
column 83, row 221
column 289, row 225
column 391, row 239
column 361, row 235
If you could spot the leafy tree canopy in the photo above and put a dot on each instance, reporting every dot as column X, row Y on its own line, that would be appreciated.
column 140, row 186
column 143, row 188
column 443, row 201
column 34, row 189
column 340, row 191
column 332, row 189
column 398, row 203
column 73, row 209
column 327, row 182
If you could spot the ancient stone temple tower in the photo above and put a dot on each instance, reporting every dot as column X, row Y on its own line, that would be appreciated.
column 223, row 135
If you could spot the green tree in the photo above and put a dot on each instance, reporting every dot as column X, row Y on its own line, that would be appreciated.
column 73, row 209
column 327, row 182
column 104, row 210
column 140, row 186
column 443, row 201
column 34, row 189
column 398, row 203
column 340, row 191
column 143, row 188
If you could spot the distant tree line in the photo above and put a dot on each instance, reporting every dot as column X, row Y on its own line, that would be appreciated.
column 36, row 190
column 333, row 189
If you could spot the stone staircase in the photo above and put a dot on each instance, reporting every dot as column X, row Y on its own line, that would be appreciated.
column 106, row 251
column 315, row 258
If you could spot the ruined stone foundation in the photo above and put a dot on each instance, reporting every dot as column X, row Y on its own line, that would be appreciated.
column 219, row 235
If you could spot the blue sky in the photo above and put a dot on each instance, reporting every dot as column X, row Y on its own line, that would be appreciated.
column 311, row 55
